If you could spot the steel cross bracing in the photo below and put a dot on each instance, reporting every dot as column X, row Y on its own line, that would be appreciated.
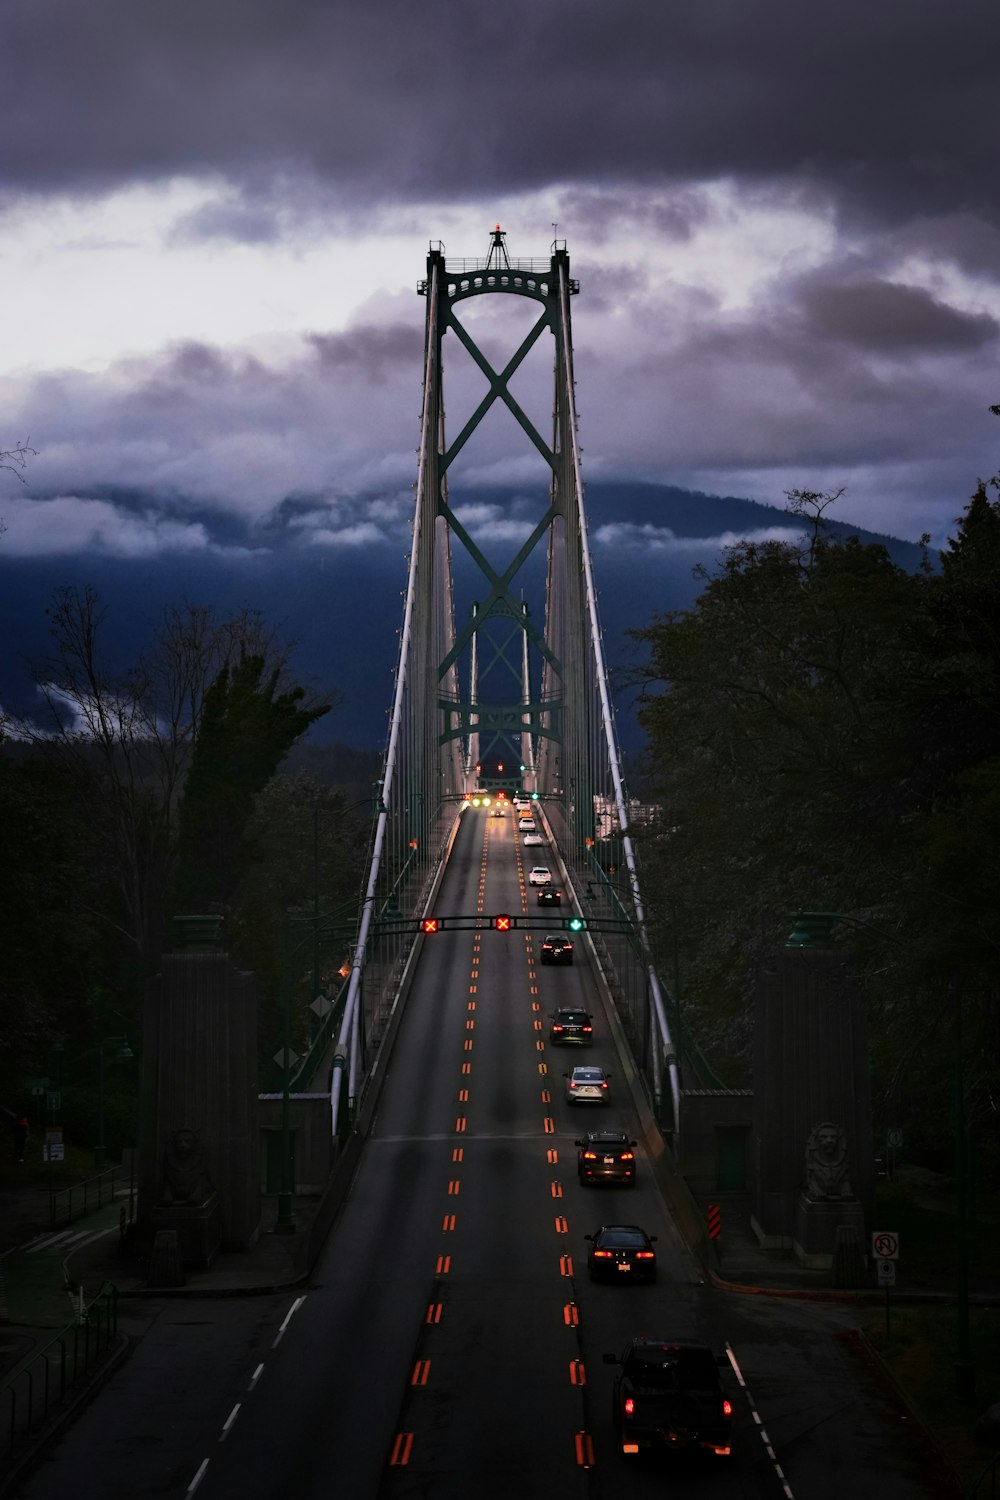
column 554, row 725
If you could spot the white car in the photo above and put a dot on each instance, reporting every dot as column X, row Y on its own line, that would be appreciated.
column 526, row 825
column 539, row 875
column 531, row 839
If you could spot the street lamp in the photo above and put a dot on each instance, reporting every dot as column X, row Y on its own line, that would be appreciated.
column 124, row 1054
column 813, row 929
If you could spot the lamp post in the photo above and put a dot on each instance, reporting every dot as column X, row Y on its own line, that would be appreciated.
column 813, row 928
column 124, row 1054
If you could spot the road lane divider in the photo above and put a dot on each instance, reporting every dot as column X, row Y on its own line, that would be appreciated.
column 786, row 1488
column 401, row 1450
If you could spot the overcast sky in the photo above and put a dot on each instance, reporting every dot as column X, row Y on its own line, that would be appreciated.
column 784, row 219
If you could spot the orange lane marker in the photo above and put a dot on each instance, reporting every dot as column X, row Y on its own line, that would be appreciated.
column 434, row 1311
column 466, row 1067
column 454, row 1187
column 448, row 1223
column 577, row 1372
column 562, row 1224
column 463, row 1096
column 422, row 1369
column 535, row 1005
column 543, row 1068
column 460, row 1125
column 471, row 1005
column 539, row 1046
column 458, row 1153
column 470, row 1025
column 472, row 989
column 548, row 1125
column 571, row 1315
column 401, row 1449
column 552, row 1156
column 443, row 1265
column 468, row 1045
column 546, row 1096
column 584, row 1450
column 556, row 1189
column 537, row 1025
column 565, row 1265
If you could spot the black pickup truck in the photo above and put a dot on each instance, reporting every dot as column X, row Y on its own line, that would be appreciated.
column 668, row 1395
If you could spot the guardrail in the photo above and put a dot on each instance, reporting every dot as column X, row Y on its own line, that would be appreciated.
column 68, row 1204
column 30, row 1396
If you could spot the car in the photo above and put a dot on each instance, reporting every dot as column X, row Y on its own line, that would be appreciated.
column 526, row 825
column 497, row 812
column 571, row 1026
column 606, row 1156
column 531, row 840
column 668, row 1395
column 549, row 896
column 623, row 1252
column 557, row 949
column 539, row 875
column 588, row 1086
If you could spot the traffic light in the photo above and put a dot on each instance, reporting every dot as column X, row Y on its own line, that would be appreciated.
column 431, row 924
column 502, row 922
column 576, row 924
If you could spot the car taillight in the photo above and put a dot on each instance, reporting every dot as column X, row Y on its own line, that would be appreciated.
column 629, row 1406
column 604, row 1085
column 626, row 1156
column 586, row 1028
column 602, row 1254
column 645, row 1255
column 727, row 1410
column 557, row 1028
column 590, row 1156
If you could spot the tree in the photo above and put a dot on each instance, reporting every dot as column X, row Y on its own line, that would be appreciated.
column 127, row 732
column 245, row 729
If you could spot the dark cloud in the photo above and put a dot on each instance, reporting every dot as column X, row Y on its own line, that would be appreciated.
column 891, row 106
column 893, row 319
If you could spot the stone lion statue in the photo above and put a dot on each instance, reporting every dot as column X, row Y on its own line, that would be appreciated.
column 185, row 1175
column 826, row 1163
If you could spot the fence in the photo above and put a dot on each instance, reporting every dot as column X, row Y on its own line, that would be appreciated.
column 32, row 1394
column 67, row 1204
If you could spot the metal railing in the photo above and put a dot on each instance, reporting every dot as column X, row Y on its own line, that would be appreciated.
column 68, row 1204
column 31, row 1395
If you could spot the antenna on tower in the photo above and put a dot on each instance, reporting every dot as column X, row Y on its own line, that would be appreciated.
column 498, row 258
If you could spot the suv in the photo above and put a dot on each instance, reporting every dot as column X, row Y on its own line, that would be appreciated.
column 549, row 896
column 606, row 1156
column 668, row 1395
column 571, row 1026
column 557, row 949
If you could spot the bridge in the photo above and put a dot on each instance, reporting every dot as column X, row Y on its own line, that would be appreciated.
column 509, row 693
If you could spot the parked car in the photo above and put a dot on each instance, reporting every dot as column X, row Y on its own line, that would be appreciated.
column 668, row 1394
column 606, row 1156
column 557, row 949
column 588, row 1086
column 623, row 1252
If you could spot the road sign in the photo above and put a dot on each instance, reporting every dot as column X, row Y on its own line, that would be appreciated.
column 886, row 1272
column 885, row 1244
column 52, row 1148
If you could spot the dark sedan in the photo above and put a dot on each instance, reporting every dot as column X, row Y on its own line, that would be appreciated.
column 557, row 949
column 571, row 1027
column 549, row 896
column 606, row 1156
column 621, row 1252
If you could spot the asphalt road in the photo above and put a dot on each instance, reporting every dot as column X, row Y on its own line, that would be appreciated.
column 450, row 1343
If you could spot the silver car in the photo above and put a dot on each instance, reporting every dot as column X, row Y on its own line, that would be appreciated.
column 588, row 1086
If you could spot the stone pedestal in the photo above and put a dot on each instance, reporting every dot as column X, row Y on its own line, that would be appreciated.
column 200, row 1080
column 198, row 1229
column 816, row 1224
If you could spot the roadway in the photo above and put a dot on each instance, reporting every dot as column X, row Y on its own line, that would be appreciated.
column 450, row 1343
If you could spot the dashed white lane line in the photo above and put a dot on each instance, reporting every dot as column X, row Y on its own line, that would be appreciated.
column 255, row 1377
column 785, row 1486
column 288, row 1318
column 199, row 1476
